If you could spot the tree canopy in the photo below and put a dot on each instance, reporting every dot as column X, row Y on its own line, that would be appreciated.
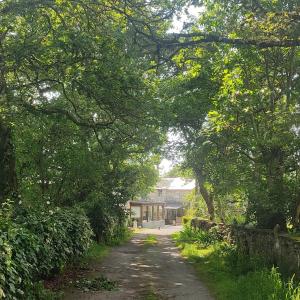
column 88, row 90
column 237, row 105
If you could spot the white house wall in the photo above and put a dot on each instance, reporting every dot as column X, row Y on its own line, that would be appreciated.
column 136, row 211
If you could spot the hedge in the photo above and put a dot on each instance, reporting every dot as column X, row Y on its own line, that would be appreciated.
column 37, row 244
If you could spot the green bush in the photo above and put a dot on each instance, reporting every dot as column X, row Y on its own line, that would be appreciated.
column 186, row 220
column 37, row 244
column 72, row 228
column 202, row 238
column 108, row 222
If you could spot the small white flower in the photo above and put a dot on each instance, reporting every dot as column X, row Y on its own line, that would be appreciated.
column 48, row 202
column 51, row 212
column 20, row 202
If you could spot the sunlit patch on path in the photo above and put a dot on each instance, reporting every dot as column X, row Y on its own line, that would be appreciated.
column 147, row 271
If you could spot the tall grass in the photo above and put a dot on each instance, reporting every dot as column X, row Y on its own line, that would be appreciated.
column 151, row 240
column 202, row 238
column 232, row 276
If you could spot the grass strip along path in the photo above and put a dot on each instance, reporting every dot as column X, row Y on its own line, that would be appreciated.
column 230, row 276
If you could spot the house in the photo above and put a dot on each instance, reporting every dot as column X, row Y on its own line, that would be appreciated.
column 147, row 214
column 169, row 195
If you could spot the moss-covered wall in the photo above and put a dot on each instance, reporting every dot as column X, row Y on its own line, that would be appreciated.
column 279, row 249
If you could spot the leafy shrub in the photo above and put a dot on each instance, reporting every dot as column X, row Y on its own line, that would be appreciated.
column 202, row 238
column 72, row 228
column 108, row 222
column 37, row 244
column 18, row 259
column 186, row 220
column 120, row 235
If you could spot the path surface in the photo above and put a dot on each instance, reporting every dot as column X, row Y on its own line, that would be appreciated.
column 142, row 269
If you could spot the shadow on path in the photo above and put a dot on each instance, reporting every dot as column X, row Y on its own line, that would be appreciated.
column 142, row 270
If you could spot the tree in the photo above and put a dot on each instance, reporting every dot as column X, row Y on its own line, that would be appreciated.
column 237, row 106
column 75, row 61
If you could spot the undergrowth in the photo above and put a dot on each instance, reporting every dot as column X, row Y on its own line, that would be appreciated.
column 230, row 275
column 96, row 284
column 151, row 240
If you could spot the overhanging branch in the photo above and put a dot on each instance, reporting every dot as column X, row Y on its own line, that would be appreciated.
column 182, row 40
column 70, row 116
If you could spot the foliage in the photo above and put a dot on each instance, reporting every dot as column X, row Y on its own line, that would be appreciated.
column 236, row 108
column 195, row 206
column 96, row 284
column 38, row 243
column 78, row 127
column 151, row 240
column 88, row 90
column 232, row 276
column 199, row 237
column 186, row 220
column 179, row 171
column 95, row 252
column 86, row 107
column 108, row 221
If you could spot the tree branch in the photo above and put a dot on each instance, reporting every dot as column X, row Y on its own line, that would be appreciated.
column 198, row 38
column 68, row 115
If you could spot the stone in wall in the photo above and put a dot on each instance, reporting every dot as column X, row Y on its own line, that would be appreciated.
column 278, row 249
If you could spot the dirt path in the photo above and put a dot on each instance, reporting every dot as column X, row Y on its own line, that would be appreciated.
column 147, row 271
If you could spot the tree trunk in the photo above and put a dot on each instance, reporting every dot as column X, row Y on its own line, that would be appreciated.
column 274, row 211
column 8, row 177
column 205, row 194
column 297, row 217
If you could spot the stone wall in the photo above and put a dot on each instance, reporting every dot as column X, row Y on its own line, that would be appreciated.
column 276, row 248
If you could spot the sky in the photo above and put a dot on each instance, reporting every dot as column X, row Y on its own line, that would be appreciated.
column 165, row 166
column 178, row 22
